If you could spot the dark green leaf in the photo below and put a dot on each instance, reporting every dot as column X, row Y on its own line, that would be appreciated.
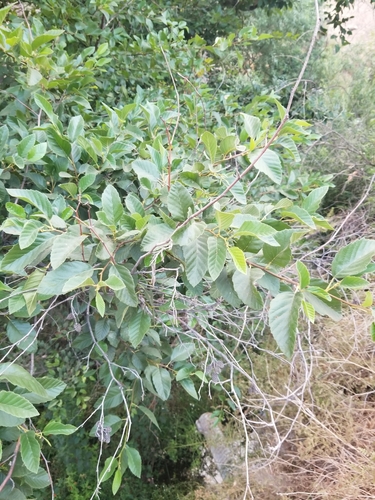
column 283, row 317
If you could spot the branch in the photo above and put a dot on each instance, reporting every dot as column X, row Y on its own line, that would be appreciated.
column 10, row 471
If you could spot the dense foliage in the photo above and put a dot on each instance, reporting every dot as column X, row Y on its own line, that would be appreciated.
column 151, row 228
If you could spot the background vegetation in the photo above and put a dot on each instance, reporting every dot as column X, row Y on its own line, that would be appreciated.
column 169, row 248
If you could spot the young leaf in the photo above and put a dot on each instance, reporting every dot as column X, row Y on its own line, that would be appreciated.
column 309, row 311
column 112, row 205
column 29, row 233
column 16, row 405
column 100, row 304
column 30, row 451
column 312, row 202
column 303, row 274
column 224, row 219
column 210, row 142
column 252, row 125
column 25, row 145
column 196, row 260
column 372, row 331
column 239, row 259
column 353, row 259
column 354, row 283
column 283, row 317
column 138, row 326
column 259, row 230
column 134, row 461
column 56, row 428
column 217, row 252
column 116, row 483
column 150, row 415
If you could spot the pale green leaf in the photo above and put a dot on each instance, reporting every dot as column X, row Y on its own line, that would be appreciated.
column 46, row 37
column 210, row 143
column 269, row 164
column 63, row 247
column 217, row 252
column 115, row 283
column 162, row 382
column 53, row 388
column 134, row 461
column 30, row 451
column 196, row 260
column 179, row 202
column 110, row 465
column 259, row 230
column 76, row 281
column 150, row 415
column 54, row 281
column 100, row 304
column 189, row 387
column 16, row 405
column 75, row 128
column 354, row 283
column 44, row 105
column 112, row 205
column 86, row 182
column 56, row 428
column 29, row 233
column 38, row 481
column 126, row 295
column 182, row 352
column 353, row 259
column 25, row 146
column 146, row 169
column 225, row 289
column 331, row 308
column 309, row 311
column 157, row 234
column 57, row 143
column 116, row 483
column 303, row 274
column 35, row 198
column 138, row 326
column 7, row 420
column 245, row 287
column 33, row 77
column 312, row 202
column 22, row 334
column 252, row 125
column 4, row 11
column 239, row 259
column 283, row 318
column 224, row 219
column 37, row 152
column 20, row 377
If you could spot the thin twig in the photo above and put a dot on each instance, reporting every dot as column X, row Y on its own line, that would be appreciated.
column 12, row 465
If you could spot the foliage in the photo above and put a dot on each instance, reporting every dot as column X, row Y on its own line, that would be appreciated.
column 159, row 224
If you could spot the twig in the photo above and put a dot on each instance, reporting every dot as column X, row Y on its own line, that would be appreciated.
column 12, row 465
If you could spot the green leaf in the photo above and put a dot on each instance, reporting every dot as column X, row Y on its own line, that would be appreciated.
column 35, row 198
column 112, row 205
column 29, row 233
column 17, row 375
column 25, row 145
column 138, row 326
column 75, row 128
column 134, row 205
column 353, row 259
column 303, row 274
column 196, row 260
column 7, row 420
column 252, row 125
column 134, row 461
column 100, row 304
column 116, row 483
column 210, row 142
column 86, row 182
column 33, row 77
column 372, row 331
column 162, row 382
column 145, row 169
column 224, row 219
column 18, row 259
column 331, row 308
column 54, row 281
column 312, row 202
column 58, row 144
column 189, row 387
column 126, row 295
column 4, row 136
column 269, row 164
column 225, row 289
column 53, row 388
column 114, row 283
column 30, row 451
column 239, row 259
column 283, row 318
column 38, row 481
column 182, row 352
column 259, row 230
column 16, row 405
column 63, row 247
column 300, row 215
column 22, row 334
column 245, row 288
column 217, row 252
column 309, row 311
column 156, row 235
column 46, row 37
column 37, row 152
column 56, row 428
column 45, row 106
column 110, row 465
column 354, row 283
column 77, row 281
column 179, row 201
column 4, row 11
column 150, row 415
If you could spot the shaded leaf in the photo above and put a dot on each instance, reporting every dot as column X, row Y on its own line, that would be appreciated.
column 134, row 461
column 283, row 317
column 196, row 260
column 217, row 252
column 210, row 143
